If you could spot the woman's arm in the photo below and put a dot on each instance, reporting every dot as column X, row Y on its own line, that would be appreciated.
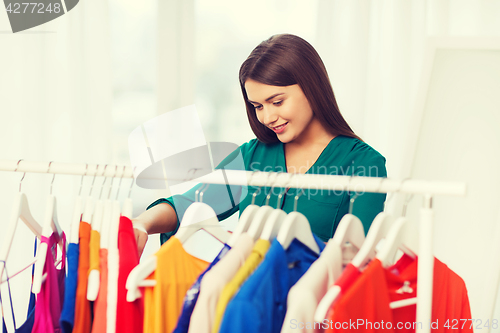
column 164, row 215
column 157, row 219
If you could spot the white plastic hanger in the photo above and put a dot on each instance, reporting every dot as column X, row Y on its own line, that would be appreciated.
column 398, row 238
column 50, row 225
column 113, row 266
column 89, row 203
column 350, row 229
column 259, row 220
column 377, row 231
column 201, row 216
column 198, row 216
column 102, row 213
column 243, row 223
column 274, row 221
column 20, row 210
column 128, row 207
column 396, row 234
column 261, row 216
column 296, row 226
column 77, row 214
column 245, row 219
column 273, row 225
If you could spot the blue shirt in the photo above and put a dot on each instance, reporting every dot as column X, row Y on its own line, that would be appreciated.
column 193, row 293
column 67, row 318
column 260, row 304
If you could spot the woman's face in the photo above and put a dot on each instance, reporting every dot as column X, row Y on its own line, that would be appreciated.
column 285, row 110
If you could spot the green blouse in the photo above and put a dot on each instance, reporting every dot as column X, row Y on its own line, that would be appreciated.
column 323, row 208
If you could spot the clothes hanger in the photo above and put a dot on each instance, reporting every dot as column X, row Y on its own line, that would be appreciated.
column 89, row 203
column 113, row 223
column 245, row 218
column 201, row 216
column 261, row 215
column 100, row 218
column 275, row 219
column 198, row 216
column 395, row 234
column 296, row 226
column 377, row 231
column 128, row 207
column 399, row 237
column 20, row 210
column 77, row 214
column 350, row 228
column 50, row 225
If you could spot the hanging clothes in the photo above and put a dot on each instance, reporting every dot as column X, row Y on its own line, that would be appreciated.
column 68, row 311
column 370, row 296
column 27, row 326
column 193, row 293
column 101, row 303
column 51, row 297
column 83, row 311
column 129, row 315
column 260, row 304
column 253, row 261
column 305, row 295
column 94, row 249
column 176, row 271
column 214, row 282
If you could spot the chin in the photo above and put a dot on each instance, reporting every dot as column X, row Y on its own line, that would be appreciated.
column 284, row 138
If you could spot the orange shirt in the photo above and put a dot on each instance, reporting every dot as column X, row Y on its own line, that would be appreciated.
column 83, row 319
column 367, row 302
column 176, row 270
column 101, row 303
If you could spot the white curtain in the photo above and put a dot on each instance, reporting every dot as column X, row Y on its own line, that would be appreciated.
column 374, row 53
column 55, row 105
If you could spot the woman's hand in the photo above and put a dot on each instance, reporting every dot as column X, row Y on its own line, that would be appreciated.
column 141, row 235
column 157, row 219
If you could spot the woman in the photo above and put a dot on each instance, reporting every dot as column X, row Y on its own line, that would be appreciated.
column 293, row 112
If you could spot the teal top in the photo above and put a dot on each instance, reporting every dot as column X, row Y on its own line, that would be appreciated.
column 323, row 208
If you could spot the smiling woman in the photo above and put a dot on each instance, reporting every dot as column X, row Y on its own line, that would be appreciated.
column 290, row 63
column 299, row 129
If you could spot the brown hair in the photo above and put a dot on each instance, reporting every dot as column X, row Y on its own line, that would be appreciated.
column 285, row 60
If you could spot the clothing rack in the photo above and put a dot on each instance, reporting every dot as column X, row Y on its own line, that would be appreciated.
column 306, row 181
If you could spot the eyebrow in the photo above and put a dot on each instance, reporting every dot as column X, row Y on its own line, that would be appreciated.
column 268, row 99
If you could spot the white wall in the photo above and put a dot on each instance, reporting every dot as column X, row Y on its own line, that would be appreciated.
column 459, row 140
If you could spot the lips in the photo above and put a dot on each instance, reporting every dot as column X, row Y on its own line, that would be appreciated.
column 280, row 128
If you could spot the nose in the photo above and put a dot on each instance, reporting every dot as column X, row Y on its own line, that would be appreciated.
column 269, row 116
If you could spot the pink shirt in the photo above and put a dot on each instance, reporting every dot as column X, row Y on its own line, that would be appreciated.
column 214, row 282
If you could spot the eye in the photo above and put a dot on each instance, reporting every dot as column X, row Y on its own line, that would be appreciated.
column 258, row 107
column 277, row 103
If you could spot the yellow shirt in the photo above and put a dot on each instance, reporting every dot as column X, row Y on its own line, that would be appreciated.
column 176, row 271
column 254, row 259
